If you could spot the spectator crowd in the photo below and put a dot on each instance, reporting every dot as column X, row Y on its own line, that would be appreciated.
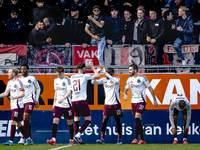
column 101, row 22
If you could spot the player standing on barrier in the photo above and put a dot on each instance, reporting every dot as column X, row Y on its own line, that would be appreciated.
column 112, row 105
column 16, row 90
column 137, row 84
column 180, row 103
column 62, row 104
column 79, row 98
column 30, row 99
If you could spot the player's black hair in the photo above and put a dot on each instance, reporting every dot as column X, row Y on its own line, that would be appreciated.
column 59, row 69
column 81, row 66
column 181, row 104
column 134, row 66
column 111, row 69
column 25, row 66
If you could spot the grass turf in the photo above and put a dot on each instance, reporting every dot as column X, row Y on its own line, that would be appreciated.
column 103, row 147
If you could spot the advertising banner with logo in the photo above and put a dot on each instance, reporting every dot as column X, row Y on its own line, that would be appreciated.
column 13, row 55
column 165, row 87
column 84, row 55
column 49, row 55
column 156, row 125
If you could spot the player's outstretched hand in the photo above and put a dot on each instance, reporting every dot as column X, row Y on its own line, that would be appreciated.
column 91, row 65
column 37, row 105
column 99, row 68
column 125, row 97
column 104, row 69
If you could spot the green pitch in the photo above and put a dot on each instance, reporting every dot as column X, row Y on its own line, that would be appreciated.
column 103, row 147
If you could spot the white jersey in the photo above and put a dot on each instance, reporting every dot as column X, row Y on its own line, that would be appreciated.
column 137, row 86
column 79, row 86
column 174, row 104
column 15, row 87
column 30, row 83
column 111, row 88
column 62, row 86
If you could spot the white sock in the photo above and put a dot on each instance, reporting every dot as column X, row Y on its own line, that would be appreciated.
column 71, row 140
column 10, row 141
column 54, row 139
column 175, row 139
column 184, row 139
column 78, row 135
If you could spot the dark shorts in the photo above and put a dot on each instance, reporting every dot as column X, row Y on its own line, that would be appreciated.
column 58, row 111
column 138, row 108
column 113, row 110
column 81, row 108
column 17, row 114
column 176, row 112
column 28, row 108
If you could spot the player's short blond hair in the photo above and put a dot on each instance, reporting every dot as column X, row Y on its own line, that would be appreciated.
column 14, row 70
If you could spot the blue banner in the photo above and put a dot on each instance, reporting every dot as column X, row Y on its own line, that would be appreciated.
column 156, row 124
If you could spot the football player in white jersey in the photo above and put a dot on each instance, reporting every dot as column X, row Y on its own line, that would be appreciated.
column 30, row 99
column 62, row 104
column 180, row 103
column 79, row 98
column 16, row 90
column 112, row 103
column 137, row 84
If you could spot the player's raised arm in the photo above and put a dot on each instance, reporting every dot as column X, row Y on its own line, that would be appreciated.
column 96, row 74
column 153, row 95
column 109, row 73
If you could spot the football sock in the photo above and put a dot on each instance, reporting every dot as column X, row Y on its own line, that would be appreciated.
column 103, row 127
column 139, row 128
column 76, row 126
column 175, row 135
column 184, row 139
column 23, row 131
column 71, row 131
column 12, row 133
column 119, row 128
column 27, row 127
column 78, row 135
column 54, row 130
column 84, row 126
column 185, row 135
column 54, row 139
column 175, row 139
column 136, row 129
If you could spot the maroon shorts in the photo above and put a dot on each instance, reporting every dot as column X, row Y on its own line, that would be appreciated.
column 81, row 108
column 28, row 108
column 58, row 111
column 17, row 114
column 138, row 107
column 113, row 110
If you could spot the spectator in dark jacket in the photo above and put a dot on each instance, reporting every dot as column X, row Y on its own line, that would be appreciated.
column 155, row 34
column 128, row 27
column 41, row 11
column 14, row 28
column 2, row 34
column 74, row 29
column 94, row 27
column 1, row 11
column 169, row 27
column 37, row 39
column 8, row 8
column 184, row 31
column 114, row 28
column 49, row 29
column 140, row 27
